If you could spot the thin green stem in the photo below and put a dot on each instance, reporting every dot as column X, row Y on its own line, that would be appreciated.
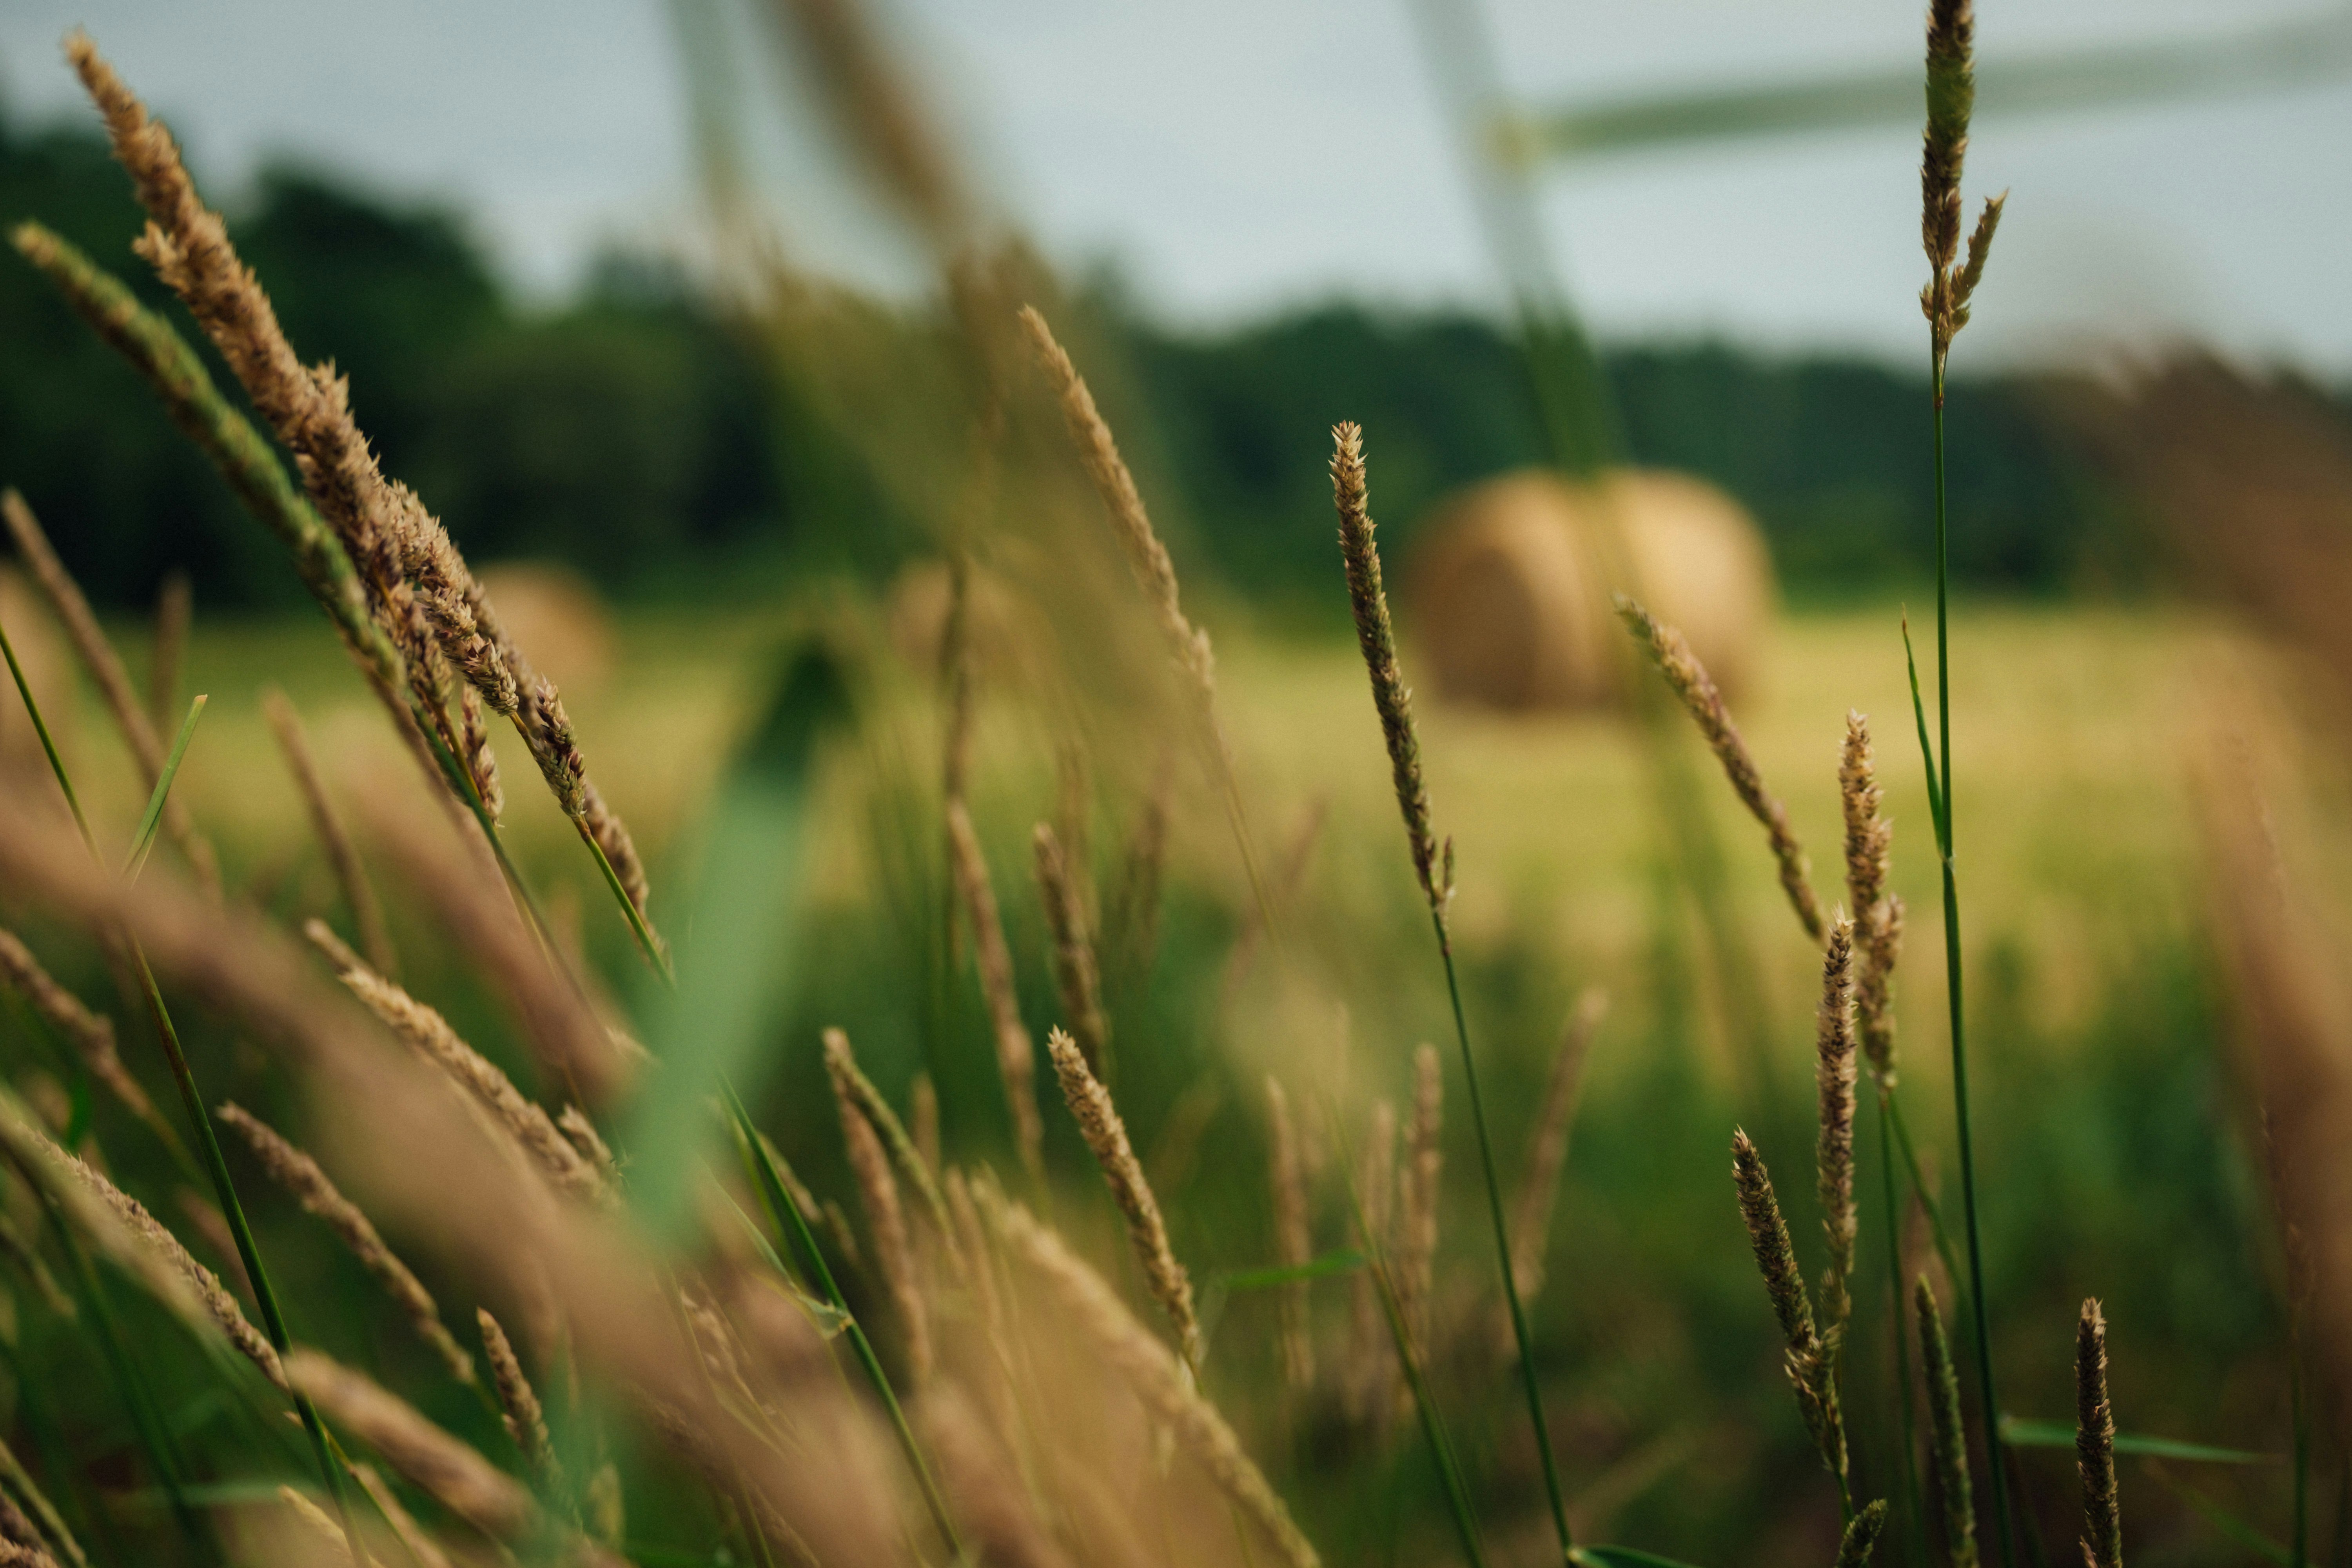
column 1981, row 1320
column 794, row 1225
column 1528, row 1378
column 1915, row 1541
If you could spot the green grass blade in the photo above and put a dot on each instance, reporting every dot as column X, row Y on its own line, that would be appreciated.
column 48, row 746
column 2223, row 1520
column 1621, row 1557
column 1347, row 1260
column 1927, row 747
column 779, row 1198
column 2025, row 1433
column 145, row 839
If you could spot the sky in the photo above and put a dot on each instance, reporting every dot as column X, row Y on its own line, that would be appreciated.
column 1235, row 158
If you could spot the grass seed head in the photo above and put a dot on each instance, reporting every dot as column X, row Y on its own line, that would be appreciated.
column 299, row 1174
column 2095, row 1442
column 1376, row 636
column 1704, row 701
column 1835, row 1055
column 1948, row 1434
column 1106, row 1134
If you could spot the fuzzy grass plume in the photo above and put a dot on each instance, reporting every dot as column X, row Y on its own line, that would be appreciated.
column 1948, row 1434
column 1106, row 1134
column 1294, row 1242
column 1376, row 637
column 1877, row 913
column 1017, row 1055
column 299, row 1174
column 419, row 589
column 1833, row 1162
column 1074, row 969
column 2095, row 1443
column 1811, row 1362
column 1704, row 701
column 1164, row 1384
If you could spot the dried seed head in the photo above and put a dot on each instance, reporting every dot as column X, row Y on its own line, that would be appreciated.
column 1293, row 1244
column 481, row 762
column 1877, row 913
column 1360, row 553
column 466, row 1484
column 1835, row 1160
column 1155, row 572
column 299, row 1174
column 91, row 1035
column 1699, row 697
column 885, row 1220
column 1768, row 1235
column 526, row 1422
column 2095, row 1443
column 425, row 600
column 1952, row 100
column 1862, row 1536
column 1810, row 1360
column 432, row 1036
column 1948, row 1436
column 1015, row 1053
column 216, row 1301
column 1166, row 1386
column 1106, row 1134
column 1074, row 970
column 1547, row 1151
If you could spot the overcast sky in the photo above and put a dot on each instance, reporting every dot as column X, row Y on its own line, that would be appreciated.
column 1233, row 157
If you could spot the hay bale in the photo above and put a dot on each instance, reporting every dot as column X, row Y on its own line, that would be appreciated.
column 1507, row 589
column 48, row 669
column 557, row 620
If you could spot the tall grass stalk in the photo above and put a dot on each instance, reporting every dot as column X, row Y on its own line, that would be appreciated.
column 1433, row 867
column 191, row 1098
column 1951, row 96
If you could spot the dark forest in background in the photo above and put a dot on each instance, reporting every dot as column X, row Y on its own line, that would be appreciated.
column 636, row 433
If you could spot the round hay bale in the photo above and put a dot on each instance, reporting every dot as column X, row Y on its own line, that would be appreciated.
column 1507, row 589
column 48, row 669
column 557, row 620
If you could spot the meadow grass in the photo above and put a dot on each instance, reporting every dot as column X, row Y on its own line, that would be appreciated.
column 677, row 1384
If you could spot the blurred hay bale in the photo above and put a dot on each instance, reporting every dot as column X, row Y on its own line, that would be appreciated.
column 49, row 671
column 557, row 620
column 1507, row 589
